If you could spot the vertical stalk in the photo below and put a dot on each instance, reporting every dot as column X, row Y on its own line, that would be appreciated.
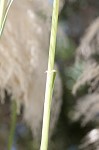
column 2, row 8
column 13, row 125
column 4, row 12
column 50, row 78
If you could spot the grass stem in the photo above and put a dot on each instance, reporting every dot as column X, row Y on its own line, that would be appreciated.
column 50, row 78
column 3, row 13
column 13, row 125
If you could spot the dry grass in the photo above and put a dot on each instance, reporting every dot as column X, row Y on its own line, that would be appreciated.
column 88, row 51
column 23, row 61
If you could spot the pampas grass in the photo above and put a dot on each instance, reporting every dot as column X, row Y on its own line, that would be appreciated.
column 90, row 42
column 23, row 62
column 87, row 106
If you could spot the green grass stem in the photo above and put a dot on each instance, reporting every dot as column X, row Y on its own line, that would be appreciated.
column 50, row 78
column 13, row 124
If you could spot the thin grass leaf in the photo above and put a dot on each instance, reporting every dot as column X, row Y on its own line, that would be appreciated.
column 2, row 6
column 4, row 14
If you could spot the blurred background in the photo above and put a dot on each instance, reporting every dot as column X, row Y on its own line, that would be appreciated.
column 69, row 134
